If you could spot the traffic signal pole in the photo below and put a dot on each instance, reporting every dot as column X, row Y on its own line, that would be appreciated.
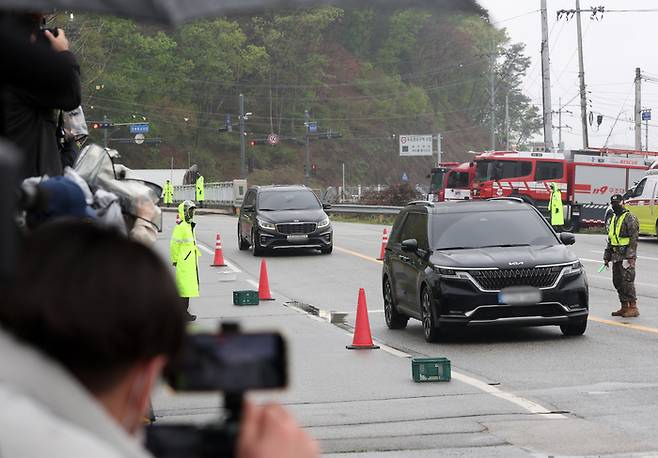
column 243, row 161
column 105, row 132
column 307, row 160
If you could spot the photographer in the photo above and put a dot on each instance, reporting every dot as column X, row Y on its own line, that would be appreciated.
column 29, row 111
column 82, row 350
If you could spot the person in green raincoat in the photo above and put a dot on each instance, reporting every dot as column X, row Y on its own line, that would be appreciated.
column 200, row 191
column 168, row 193
column 556, row 208
column 184, row 255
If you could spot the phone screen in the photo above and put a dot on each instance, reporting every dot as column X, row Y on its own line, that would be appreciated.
column 230, row 362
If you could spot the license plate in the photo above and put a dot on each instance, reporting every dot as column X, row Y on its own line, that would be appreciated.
column 519, row 295
column 298, row 238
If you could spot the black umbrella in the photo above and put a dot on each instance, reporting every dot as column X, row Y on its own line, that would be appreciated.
column 178, row 11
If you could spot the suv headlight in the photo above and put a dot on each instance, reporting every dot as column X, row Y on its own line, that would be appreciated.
column 573, row 269
column 266, row 225
column 324, row 223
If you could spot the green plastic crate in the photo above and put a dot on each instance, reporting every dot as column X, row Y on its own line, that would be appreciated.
column 430, row 369
column 246, row 297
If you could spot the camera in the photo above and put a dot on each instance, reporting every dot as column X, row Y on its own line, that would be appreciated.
column 230, row 362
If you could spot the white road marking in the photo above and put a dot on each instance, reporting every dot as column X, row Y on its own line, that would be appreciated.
column 525, row 404
column 648, row 258
column 229, row 264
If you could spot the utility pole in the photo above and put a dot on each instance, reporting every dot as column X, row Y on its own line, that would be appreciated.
column 581, row 76
column 638, row 109
column 243, row 156
column 507, row 122
column 492, row 91
column 307, row 156
column 438, row 149
column 560, row 126
column 546, row 81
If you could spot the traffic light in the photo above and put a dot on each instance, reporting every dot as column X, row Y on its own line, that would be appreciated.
column 102, row 125
column 257, row 142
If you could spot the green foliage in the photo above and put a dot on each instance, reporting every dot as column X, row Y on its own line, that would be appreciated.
column 366, row 72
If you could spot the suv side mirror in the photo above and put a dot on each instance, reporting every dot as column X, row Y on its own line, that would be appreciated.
column 326, row 206
column 567, row 238
column 248, row 208
column 410, row 245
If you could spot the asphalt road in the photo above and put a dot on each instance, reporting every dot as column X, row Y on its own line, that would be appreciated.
column 601, row 387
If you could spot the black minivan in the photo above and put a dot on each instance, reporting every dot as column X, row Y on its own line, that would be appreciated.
column 285, row 216
column 479, row 263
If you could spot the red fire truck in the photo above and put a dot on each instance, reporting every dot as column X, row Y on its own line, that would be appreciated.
column 451, row 181
column 587, row 179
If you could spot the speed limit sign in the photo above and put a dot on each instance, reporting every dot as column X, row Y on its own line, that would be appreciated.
column 272, row 139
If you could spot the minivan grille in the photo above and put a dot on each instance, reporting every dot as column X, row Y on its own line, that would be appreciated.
column 296, row 228
column 494, row 280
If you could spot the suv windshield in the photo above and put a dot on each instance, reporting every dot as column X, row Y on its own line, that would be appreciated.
column 490, row 229
column 287, row 200
column 498, row 170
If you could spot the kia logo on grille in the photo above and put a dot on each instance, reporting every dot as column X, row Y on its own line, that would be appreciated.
column 516, row 263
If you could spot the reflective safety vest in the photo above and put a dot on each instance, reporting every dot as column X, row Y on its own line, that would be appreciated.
column 200, row 192
column 556, row 208
column 615, row 230
column 184, row 252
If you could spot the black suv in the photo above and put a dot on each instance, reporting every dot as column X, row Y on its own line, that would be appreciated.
column 469, row 262
column 277, row 217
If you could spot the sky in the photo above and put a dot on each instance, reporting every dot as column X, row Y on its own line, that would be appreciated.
column 613, row 47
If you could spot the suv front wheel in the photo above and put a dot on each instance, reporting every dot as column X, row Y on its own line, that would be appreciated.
column 255, row 244
column 430, row 327
column 394, row 319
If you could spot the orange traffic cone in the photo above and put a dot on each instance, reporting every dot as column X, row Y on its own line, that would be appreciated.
column 362, row 337
column 384, row 243
column 264, row 293
column 219, row 256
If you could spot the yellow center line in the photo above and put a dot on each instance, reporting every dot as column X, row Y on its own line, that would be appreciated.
column 358, row 255
column 620, row 324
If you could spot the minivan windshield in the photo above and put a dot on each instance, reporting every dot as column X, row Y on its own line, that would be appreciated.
column 490, row 229
column 287, row 200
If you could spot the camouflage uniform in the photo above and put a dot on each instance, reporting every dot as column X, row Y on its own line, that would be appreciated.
column 624, row 279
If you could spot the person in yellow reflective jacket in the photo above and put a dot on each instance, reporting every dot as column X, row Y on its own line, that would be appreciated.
column 200, row 191
column 555, row 208
column 623, row 233
column 184, row 255
column 168, row 193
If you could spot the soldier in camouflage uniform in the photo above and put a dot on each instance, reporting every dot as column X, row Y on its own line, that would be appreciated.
column 622, row 251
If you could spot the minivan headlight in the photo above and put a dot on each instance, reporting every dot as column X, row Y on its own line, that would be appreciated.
column 266, row 225
column 573, row 269
column 324, row 223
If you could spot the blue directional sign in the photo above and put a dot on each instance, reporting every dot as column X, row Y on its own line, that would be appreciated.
column 646, row 115
column 312, row 127
column 142, row 128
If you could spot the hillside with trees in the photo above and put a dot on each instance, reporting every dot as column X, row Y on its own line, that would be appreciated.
column 367, row 73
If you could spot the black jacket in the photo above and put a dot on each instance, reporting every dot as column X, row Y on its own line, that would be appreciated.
column 30, row 104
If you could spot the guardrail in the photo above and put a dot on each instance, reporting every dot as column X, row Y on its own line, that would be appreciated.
column 221, row 194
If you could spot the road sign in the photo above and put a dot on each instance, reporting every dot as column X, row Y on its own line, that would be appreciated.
column 312, row 127
column 142, row 128
column 139, row 139
column 646, row 115
column 416, row 145
column 405, row 178
column 272, row 139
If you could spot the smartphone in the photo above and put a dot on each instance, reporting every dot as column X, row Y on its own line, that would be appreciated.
column 230, row 362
